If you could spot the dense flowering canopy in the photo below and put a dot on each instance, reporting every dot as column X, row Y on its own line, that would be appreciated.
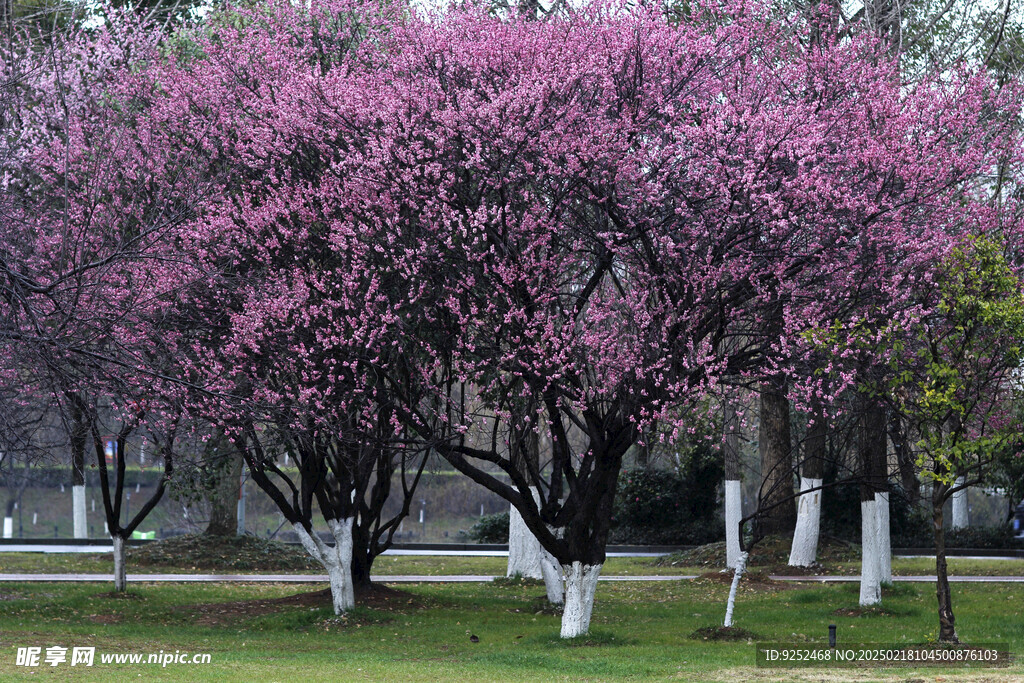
column 417, row 227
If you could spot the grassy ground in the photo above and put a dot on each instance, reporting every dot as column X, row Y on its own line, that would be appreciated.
column 429, row 565
column 50, row 563
column 423, row 633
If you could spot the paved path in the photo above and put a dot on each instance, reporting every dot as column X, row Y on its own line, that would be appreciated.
column 409, row 578
column 286, row 578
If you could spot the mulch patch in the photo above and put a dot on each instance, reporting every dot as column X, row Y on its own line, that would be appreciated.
column 750, row 579
column 122, row 595
column 862, row 612
column 105, row 619
column 723, row 633
column 378, row 597
column 217, row 553
column 769, row 552
column 788, row 570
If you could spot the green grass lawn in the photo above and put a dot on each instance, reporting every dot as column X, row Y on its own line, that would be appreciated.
column 49, row 563
column 430, row 565
column 640, row 631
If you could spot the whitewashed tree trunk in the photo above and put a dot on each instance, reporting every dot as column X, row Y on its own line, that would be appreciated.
column 580, row 585
column 78, row 518
column 804, row 551
column 342, row 589
column 120, row 573
column 730, row 605
column 733, row 515
column 8, row 527
column 524, row 550
column 337, row 560
column 553, row 583
column 884, row 537
column 960, row 518
column 870, row 562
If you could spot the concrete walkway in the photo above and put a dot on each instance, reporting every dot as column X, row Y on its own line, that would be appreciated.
column 411, row 578
column 285, row 578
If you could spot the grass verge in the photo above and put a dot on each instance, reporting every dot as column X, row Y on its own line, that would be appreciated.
column 481, row 632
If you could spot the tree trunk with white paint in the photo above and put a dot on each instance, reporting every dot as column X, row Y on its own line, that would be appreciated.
column 960, row 517
column 120, row 573
column 733, row 489
column 524, row 551
column 580, row 586
column 337, row 560
column 730, row 605
column 553, row 582
column 79, row 521
column 804, row 551
column 884, row 537
column 733, row 515
column 870, row 561
column 79, row 434
column 8, row 527
column 873, row 441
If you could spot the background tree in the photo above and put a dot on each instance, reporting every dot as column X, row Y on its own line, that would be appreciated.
column 958, row 393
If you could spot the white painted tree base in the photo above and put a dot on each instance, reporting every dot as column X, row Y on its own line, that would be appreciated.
column 524, row 550
column 8, row 527
column 337, row 560
column 580, row 586
column 553, row 581
column 808, row 522
column 733, row 515
column 81, row 529
column 870, row 562
column 730, row 605
column 120, row 571
column 960, row 517
column 884, row 538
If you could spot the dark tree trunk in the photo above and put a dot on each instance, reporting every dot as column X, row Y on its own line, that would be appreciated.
column 224, row 497
column 904, row 460
column 586, row 535
column 872, row 446
column 526, row 455
column 776, row 497
column 362, row 559
column 814, row 461
column 79, row 436
column 947, row 621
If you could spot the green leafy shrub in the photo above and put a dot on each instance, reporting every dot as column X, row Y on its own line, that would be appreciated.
column 490, row 529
